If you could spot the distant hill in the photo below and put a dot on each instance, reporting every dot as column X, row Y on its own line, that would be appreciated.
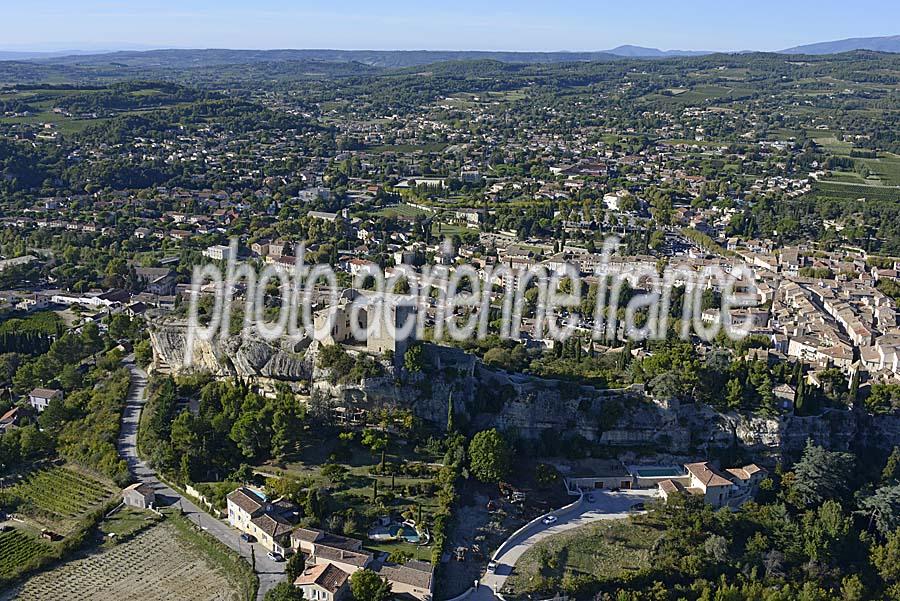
column 882, row 44
column 9, row 55
column 379, row 59
column 373, row 58
column 630, row 51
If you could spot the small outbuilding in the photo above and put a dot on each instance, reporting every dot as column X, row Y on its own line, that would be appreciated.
column 140, row 495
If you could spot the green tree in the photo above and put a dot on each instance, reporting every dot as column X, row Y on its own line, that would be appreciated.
column 886, row 558
column 143, row 353
column 821, row 475
column 69, row 377
column 284, row 591
column 826, row 532
column 413, row 359
column 891, row 472
column 884, row 507
column 489, row 456
column 295, row 566
column 366, row 585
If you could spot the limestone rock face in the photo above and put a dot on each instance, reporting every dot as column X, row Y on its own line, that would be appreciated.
column 247, row 357
column 529, row 406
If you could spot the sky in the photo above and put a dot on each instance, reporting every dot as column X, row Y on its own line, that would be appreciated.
column 548, row 25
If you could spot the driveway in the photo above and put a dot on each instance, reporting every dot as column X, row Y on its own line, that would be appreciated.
column 270, row 573
column 606, row 506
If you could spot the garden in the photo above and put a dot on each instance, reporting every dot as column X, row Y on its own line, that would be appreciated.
column 388, row 500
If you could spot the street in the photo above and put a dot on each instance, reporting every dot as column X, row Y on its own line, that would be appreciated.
column 270, row 573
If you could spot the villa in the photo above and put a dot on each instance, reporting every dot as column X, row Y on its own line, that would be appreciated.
column 719, row 488
column 730, row 487
column 270, row 522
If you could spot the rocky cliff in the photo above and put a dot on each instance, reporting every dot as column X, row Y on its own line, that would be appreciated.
column 248, row 357
column 528, row 406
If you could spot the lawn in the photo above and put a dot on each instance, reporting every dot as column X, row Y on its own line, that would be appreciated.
column 450, row 229
column 126, row 522
column 604, row 550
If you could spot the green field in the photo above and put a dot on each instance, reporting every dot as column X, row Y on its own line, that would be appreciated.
column 403, row 210
column 449, row 229
column 699, row 94
column 604, row 550
column 886, row 168
column 126, row 522
column 17, row 550
column 43, row 101
column 58, row 494
column 853, row 191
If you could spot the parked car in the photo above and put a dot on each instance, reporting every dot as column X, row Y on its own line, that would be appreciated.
column 550, row 519
column 248, row 538
column 275, row 556
column 492, row 566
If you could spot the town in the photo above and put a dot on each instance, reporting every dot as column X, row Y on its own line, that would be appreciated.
column 282, row 328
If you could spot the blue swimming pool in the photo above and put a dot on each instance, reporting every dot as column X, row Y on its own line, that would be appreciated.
column 658, row 472
column 393, row 532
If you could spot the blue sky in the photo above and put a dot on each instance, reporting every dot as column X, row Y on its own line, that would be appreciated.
column 457, row 25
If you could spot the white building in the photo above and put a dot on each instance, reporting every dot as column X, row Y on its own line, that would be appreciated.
column 219, row 252
column 39, row 398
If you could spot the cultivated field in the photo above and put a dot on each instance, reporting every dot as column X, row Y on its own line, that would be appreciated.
column 156, row 565
column 17, row 548
column 58, row 496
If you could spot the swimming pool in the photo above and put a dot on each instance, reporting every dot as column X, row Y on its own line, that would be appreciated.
column 391, row 532
column 658, row 472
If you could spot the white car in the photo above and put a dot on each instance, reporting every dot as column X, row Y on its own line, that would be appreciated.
column 492, row 566
column 550, row 519
column 275, row 556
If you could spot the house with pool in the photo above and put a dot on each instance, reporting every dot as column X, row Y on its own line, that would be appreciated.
column 720, row 488
column 269, row 522
column 413, row 579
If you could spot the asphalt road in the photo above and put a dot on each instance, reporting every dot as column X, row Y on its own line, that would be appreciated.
column 270, row 573
column 606, row 506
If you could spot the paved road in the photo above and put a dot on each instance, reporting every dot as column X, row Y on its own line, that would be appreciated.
column 270, row 573
column 606, row 506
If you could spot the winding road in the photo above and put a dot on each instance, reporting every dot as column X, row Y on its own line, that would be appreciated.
column 606, row 506
column 270, row 573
